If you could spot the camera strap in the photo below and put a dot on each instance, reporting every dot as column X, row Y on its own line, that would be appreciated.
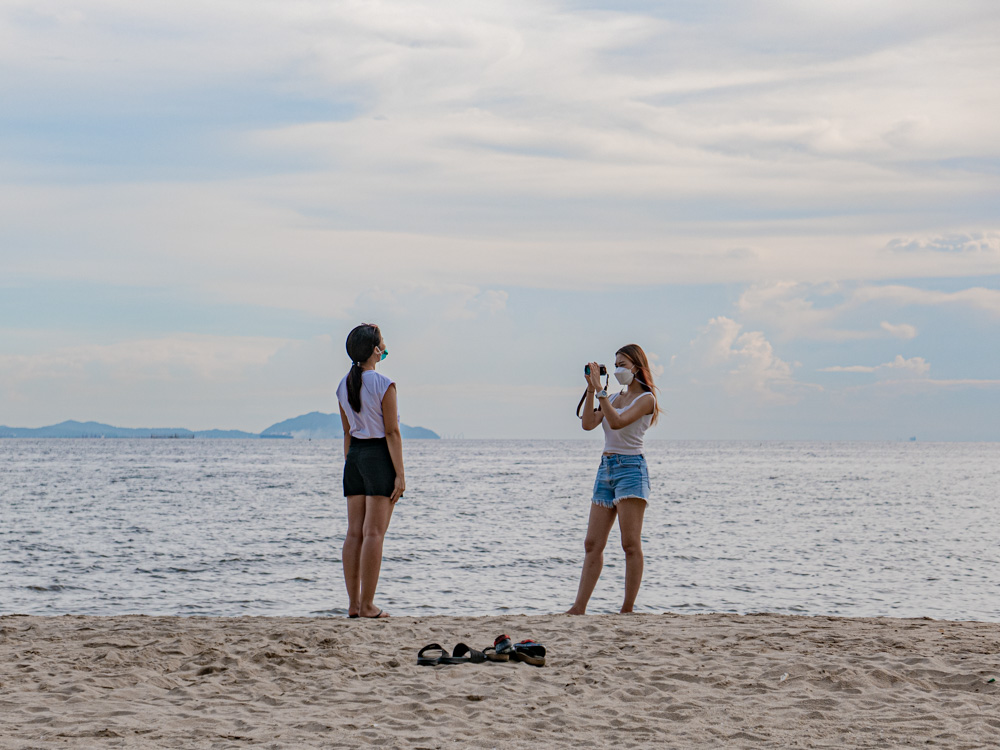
column 607, row 379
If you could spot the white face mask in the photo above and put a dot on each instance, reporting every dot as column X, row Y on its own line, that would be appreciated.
column 623, row 375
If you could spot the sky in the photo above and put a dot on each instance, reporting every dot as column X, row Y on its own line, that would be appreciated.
column 793, row 207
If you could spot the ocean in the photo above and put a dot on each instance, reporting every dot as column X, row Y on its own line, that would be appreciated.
column 254, row 527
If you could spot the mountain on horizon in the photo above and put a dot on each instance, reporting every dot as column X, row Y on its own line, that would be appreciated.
column 312, row 425
column 316, row 424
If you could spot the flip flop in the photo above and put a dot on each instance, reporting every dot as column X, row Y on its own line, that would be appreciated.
column 463, row 655
column 382, row 614
column 353, row 617
column 529, row 652
column 430, row 661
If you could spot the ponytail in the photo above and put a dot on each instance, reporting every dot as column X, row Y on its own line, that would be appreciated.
column 361, row 343
column 354, row 387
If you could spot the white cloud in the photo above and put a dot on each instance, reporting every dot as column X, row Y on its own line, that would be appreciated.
column 497, row 146
column 792, row 309
column 977, row 298
column 170, row 358
column 913, row 367
column 848, row 368
column 909, row 386
column 195, row 381
column 960, row 383
column 902, row 331
column 492, row 301
column 423, row 158
column 783, row 304
column 789, row 308
column 957, row 242
column 441, row 302
column 747, row 362
column 654, row 365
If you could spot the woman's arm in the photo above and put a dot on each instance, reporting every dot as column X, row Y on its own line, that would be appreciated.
column 347, row 430
column 592, row 417
column 638, row 408
column 390, row 419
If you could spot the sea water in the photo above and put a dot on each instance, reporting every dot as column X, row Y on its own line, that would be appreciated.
column 233, row 527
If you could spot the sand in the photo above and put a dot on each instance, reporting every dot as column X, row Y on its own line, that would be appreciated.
column 695, row 681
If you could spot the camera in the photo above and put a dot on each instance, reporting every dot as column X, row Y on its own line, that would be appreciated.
column 586, row 370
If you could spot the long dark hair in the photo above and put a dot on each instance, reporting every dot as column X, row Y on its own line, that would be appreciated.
column 645, row 376
column 361, row 343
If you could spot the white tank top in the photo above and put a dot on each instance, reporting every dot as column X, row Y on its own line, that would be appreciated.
column 367, row 423
column 628, row 440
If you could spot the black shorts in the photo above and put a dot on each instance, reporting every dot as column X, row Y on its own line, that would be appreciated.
column 368, row 469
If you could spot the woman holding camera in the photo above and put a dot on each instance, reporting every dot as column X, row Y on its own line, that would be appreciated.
column 373, row 465
column 622, row 486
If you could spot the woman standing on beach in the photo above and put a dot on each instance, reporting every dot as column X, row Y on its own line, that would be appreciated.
column 622, row 485
column 373, row 465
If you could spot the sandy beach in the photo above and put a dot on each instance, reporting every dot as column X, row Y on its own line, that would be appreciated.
column 692, row 681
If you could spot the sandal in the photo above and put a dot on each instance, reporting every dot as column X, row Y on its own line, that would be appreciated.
column 430, row 661
column 463, row 655
column 529, row 652
column 500, row 650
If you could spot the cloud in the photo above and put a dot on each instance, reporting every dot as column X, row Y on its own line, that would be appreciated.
column 957, row 383
column 492, row 301
column 790, row 308
column 977, row 298
column 170, row 358
column 958, row 242
column 196, row 381
column 654, row 365
column 910, row 386
column 423, row 159
column 913, row 367
column 516, row 147
column 797, row 310
column 848, row 368
column 901, row 331
column 746, row 361
column 441, row 302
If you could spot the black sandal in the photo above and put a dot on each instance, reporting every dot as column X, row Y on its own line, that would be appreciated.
column 463, row 655
column 430, row 661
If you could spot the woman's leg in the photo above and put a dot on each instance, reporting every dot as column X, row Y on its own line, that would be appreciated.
column 598, row 528
column 630, row 513
column 351, row 554
column 378, row 511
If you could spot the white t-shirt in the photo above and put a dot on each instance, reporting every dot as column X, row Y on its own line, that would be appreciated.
column 628, row 440
column 367, row 423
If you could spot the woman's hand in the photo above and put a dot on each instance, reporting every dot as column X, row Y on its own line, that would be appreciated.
column 398, row 489
column 594, row 378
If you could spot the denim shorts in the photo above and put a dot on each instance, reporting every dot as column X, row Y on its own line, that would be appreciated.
column 621, row 476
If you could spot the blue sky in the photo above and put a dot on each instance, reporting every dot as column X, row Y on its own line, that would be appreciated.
column 794, row 207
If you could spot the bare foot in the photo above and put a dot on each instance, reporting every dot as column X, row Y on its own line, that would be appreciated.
column 575, row 611
column 624, row 611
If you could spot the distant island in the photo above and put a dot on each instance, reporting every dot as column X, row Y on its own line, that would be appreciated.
column 307, row 426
